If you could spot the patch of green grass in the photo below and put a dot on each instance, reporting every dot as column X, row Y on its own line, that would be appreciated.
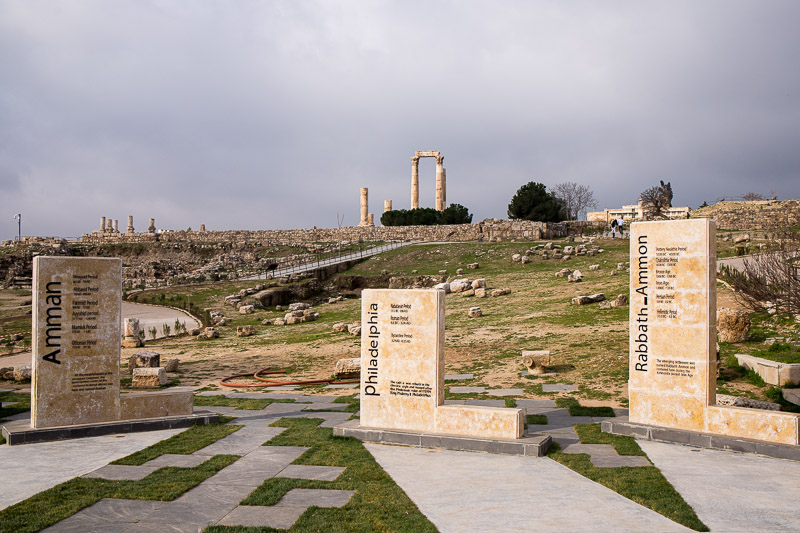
column 185, row 442
column 511, row 402
column 66, row 499
column 645, row 485
column 377, row 505
column 239, row 403
column 23, row 404
column 576, row 409
column 536, row 419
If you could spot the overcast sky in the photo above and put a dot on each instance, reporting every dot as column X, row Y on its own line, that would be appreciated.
column 261, row 114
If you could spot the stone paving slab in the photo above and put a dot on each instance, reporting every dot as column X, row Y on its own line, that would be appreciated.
column 558, row 387
column 37, row 467
column 505, row 392
column 199, row 514
column 275, row 516
column 176, row 460
column 214, row 393
column 242, row 441
column 341, row 386
column 546, row 374
column 467, row 390
column 121, row 472
column 536, row 403
column 465, row 492
column 458, row 377
column 325, row 406
column 208, row 492
column 319, row 473
column 316, row 497
column 605, row 456
column 76, row 524
column 487, row 403
column 730, row 491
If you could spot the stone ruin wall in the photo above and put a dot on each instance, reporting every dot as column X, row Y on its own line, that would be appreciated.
column 489, row 229
column 757, row 216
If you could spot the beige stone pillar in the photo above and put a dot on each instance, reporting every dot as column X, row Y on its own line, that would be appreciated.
column 130, row 224
column 444, row 188
column 202, row 227
column 109, row 225
column 415, row 182
column 364, row 206
column 152, row 227
column 387, row 205
column 115, row 226
column 439, row 183
column 370, row 219
column 102, row 224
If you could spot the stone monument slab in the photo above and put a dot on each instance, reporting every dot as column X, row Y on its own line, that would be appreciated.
column 402, row 370
column 672, row 379
column 77, row 308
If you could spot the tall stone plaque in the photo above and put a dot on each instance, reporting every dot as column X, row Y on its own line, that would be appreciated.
column 402, row 370
column 76, row 317
column 402, row 363
column 672, row 373
column 672, row 322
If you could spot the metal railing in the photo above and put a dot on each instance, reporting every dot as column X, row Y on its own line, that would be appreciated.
column 320, row 263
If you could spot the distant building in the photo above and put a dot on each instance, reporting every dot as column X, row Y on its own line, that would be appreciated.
column 632, row 213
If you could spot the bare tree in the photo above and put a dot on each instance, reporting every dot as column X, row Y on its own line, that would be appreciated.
column 656, row 201
column 770, row 278
column 752, row 196
column 576, row 198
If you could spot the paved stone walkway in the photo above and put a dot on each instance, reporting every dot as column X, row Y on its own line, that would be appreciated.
column 216, row 500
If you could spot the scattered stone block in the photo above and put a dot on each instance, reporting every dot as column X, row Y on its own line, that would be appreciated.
column 594, row 267
column 22, row 373
column 468, row 293
column 460, row 285
column 299, row 306
column 473, row 266
column 144, row 359
column 149, row 377
column 474, row 312
column 563, row 273
column 247, row 309
column 516, row 258
column 525, row 260
column 732, row 325
column 266, row 322
column 211, row 333
column 171, row 365
column 584, row 300
column 347, row 368
column 741, row 238
column 443, row 286
column 245, row 331
column 479, row 283
column 354, row 329
column 340, row 327
column 575, row 277
column 460, row 272
column 279, row 322
column 480, row 293
column 536, row 361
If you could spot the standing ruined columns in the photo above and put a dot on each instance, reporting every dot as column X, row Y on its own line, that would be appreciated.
column 387, row 205
column 364, row 206
column 102, row 224
column 152, row 227
column 202, row 227
column 415, row 182
column 130, row 224
column 109, row 225
column 115, row 226
column 370, row 219
column 440, row 183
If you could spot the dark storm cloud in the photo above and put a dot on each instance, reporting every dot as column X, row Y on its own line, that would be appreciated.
column 274, row 114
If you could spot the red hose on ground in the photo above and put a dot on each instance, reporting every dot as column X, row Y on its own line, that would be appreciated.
column 277, row 383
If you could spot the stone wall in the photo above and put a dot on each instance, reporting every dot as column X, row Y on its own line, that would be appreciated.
column 489, row 229
column 751, row 216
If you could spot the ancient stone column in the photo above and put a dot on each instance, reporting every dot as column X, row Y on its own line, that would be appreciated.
column 371, row 219
column 115, row 226
column 387, row 205
column 444, row 188
column 109, row 225
column 439, row 183
column 131, row 330
column 364, row 206
column 415, row 182
column 102, row 224
column 202, row 227
column 130, row 224
column 152, row 227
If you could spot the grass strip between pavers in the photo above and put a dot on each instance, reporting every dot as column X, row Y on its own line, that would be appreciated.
column 23, row 403
column 184, row 443
column 66, row 499
column 254, row 404
column 536, row 419
column 576, row 409
column 645, row 485
column 377, row 505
